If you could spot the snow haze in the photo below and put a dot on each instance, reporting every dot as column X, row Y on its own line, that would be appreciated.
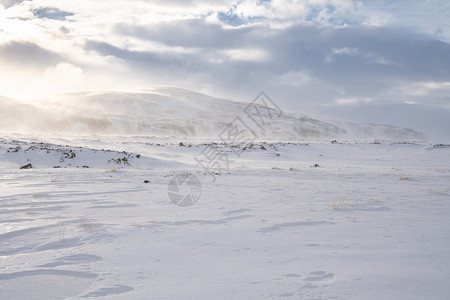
column 173, row 112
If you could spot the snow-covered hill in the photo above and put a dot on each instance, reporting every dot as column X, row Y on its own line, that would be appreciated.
column 172, row 112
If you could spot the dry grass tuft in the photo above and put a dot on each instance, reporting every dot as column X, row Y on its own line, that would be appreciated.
column 89, row 226
column 337, row 203
column 61, row 231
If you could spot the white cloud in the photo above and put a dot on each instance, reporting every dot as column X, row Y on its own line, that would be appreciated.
column 65, row 72
column 249, row 54
column 378, row 19
column 345, row 101
column 366, row 56
column 434, row 93
column 296, row 78
column 437, row 85
column 341, row 51
column 351, row 100
column 345, row 50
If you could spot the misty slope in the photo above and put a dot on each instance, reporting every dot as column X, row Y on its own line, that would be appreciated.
column 171, row 112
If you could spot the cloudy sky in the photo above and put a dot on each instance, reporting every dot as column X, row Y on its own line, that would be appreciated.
column 340, row 58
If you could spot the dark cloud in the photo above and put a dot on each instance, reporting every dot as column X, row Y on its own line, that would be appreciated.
column 51, row 13
column 190, row 33
column 27, row 54
column 147, row 63
column 380, row 54
column 185, row 70
column 141, row 57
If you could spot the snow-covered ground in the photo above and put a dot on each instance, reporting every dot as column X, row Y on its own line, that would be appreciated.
column 304, row 220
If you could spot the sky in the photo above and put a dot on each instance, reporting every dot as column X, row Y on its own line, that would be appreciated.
column 374, row 61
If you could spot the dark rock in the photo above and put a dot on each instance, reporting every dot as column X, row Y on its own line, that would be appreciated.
column 120, row 161
column 146, row 181
column 69, row 155
column 138, row 156
column 438, row 146
column 16, row 149
column 28, row 166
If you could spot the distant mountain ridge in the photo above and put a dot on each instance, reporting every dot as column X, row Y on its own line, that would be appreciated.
column 168, row 111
